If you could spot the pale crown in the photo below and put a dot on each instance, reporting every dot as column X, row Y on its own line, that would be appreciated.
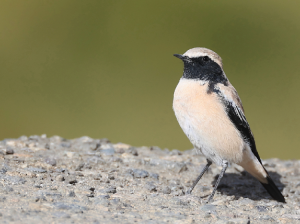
column 201, row 52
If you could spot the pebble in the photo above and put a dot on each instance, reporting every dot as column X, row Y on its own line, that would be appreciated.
column 208, row 208
column 65, row 144
column 177, row 193
column 238, row 221
column 79, row 167
column 62, row 215
column 133, row 151
column 175, row 152
column 111, row 189
column 13, row 180
column 60, row 178
column 106, row 196
column 166, row 190
column 71, row 179
column 150, row 187
column 115, row 201
column 72, row 154
column 154, row 176
column 261, row 208
column 50, row 161
column 103, row 202
column 64, row 206
column 9, row 150
column 36, row 170
column 71, row 194
column 110, row 151
column 140, row 173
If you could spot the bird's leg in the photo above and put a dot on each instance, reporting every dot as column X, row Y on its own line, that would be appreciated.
column 224, row 167
column 199, row 177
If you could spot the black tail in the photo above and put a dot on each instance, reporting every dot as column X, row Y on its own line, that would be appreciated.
column 273, row 190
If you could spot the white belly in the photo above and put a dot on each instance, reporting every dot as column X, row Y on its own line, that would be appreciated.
column 203, row 119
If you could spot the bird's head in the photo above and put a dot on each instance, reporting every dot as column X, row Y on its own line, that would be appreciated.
column 202, row 64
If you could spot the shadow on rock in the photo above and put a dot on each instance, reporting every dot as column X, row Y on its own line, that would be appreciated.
column 244, row 185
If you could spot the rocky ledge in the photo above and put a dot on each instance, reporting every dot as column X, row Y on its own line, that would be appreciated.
column 55, row 180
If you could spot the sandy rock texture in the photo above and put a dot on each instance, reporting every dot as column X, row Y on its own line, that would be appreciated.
column 85, row 180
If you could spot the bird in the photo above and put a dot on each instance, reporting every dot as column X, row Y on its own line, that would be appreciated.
column 210, row 113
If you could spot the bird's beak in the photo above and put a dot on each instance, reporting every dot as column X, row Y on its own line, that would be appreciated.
column 180, row 57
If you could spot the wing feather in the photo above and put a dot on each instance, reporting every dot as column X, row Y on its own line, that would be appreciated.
column 236, row 114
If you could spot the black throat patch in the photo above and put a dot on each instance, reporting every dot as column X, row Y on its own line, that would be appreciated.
column 204, row 69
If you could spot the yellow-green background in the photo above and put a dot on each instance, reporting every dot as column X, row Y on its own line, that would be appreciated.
column 105, row 68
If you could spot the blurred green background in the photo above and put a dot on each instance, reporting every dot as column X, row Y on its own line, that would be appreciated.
column 105, row 68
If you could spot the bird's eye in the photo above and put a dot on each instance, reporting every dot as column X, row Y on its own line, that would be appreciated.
column 205, row 58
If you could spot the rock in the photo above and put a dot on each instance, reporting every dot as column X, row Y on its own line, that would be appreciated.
column 106, row 196
column 65, row 144
column 261, row 208
column 154, row 176
column 62, row 215
column 238, row 221
column 208, row 208
column 166, row 190
column 177, row 193
column 108, row 152
column 102, row 201
column 121, row 147
column 8, row 189
column 139, row 173
column 9, row 150
column 119, row 150
column 71, row 179
column 178, row 201
column 50, row 161
column 13, row 180
column 71, row 154
column 175, row 152
column 79, row 167
column 133, row 151
column 60, row 178
column 95, row 181
column 115, row 201
column 111, row 189
column 36, row 170
column 150, row 187
column 71, row 194
column 291, row 216
column 65, row 206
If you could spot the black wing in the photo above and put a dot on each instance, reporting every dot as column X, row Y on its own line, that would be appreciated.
column 239, row 120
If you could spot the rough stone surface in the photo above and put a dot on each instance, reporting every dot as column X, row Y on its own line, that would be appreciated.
column 85, row 180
